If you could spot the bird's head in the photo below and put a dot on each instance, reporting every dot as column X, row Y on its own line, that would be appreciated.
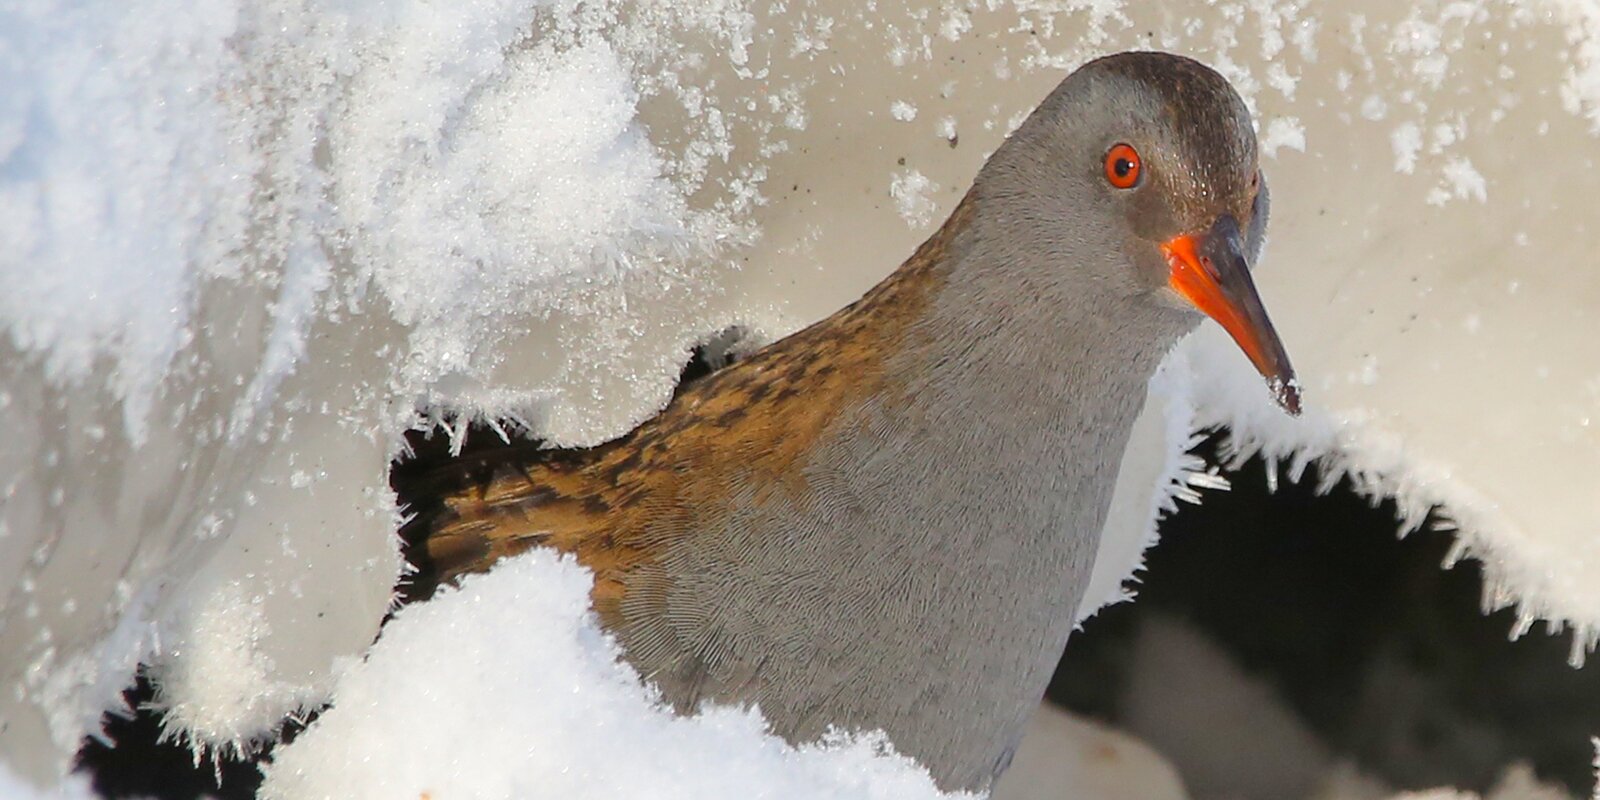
column 1139, row 175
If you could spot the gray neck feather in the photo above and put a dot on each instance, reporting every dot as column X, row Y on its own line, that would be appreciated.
column 1024, row 334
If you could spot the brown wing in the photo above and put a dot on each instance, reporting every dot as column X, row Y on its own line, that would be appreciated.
column 616, row 505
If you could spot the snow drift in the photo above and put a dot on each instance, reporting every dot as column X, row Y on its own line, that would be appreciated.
column 454, row 666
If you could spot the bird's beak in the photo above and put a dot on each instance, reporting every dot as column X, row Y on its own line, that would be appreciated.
column 1210, row 271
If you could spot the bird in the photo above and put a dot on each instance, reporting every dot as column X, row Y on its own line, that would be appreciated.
column 886, row 520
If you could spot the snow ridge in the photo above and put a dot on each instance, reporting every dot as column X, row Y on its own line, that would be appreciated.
column 1352, row 446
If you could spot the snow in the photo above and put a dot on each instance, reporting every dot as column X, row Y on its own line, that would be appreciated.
column 1183, row 688
column 1461, row 181
column 1157, row 472
column 1282, row 132
column 1374, row 108
column 247, row 245
column 584, row 726
column 956, row 24
column 107, row 213
column 911, row 192
column 224, row 696
column 1516, row 783
column 487, row 171
column 1406, row 140
column 13, row 787
column 903, row 111
column 1580, row 88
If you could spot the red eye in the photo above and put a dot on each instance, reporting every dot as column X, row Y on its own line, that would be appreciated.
column 1122, row 166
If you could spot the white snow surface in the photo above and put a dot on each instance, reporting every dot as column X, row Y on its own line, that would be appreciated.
column 410, row 720
column 912, row 193
column 1282, row 132
column 248, row 244
column 111, row 206
column 14, row 787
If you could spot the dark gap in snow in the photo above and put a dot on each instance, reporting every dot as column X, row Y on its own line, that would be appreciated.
column 718, row 351
column 1375, row 656
column 415, row 479
column 140, row 765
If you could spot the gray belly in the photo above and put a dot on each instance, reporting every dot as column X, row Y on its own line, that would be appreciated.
column 911, row 590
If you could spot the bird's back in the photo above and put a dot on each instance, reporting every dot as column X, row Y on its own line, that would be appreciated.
column 747, row 426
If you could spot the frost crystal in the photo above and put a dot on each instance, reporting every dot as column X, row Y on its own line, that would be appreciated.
column 912, row 194
column 1283, row 132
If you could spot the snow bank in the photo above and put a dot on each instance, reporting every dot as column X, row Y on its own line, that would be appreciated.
column 246, row 244
column 521, row 648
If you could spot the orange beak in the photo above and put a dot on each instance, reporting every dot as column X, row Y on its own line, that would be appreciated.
column 1210, row 271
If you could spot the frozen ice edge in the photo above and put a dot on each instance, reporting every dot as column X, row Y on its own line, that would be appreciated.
column 1158, row 472
column 1380, row 467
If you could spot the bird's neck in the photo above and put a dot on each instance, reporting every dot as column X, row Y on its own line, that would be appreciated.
column 974, row 339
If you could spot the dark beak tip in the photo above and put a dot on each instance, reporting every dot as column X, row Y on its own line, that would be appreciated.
column 1287, row 393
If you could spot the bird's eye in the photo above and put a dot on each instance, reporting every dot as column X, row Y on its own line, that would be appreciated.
column 1122, row 166
column 1255, row 180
